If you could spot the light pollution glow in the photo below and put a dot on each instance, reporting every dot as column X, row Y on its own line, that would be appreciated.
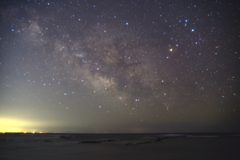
column 16, row 125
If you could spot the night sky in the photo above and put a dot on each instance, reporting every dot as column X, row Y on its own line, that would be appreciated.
column 119, row 66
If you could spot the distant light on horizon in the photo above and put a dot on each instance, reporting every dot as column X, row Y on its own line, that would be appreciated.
column 16, row 125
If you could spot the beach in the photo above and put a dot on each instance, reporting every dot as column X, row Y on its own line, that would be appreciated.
column 118, row 146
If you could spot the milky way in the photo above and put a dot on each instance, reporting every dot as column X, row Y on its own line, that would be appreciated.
column 121, row 66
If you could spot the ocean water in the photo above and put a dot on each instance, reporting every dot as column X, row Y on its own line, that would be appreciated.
column 120, row 146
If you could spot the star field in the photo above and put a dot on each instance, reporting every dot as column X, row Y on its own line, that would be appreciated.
column 121, row 66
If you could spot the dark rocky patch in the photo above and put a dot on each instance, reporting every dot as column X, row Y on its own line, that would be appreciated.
column 47, row 140
column 110, row 140
column 66, row 137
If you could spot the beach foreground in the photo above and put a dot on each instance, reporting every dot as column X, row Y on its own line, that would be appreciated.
column 118, row 146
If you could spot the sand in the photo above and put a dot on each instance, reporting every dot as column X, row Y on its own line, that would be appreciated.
column 118, row 147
